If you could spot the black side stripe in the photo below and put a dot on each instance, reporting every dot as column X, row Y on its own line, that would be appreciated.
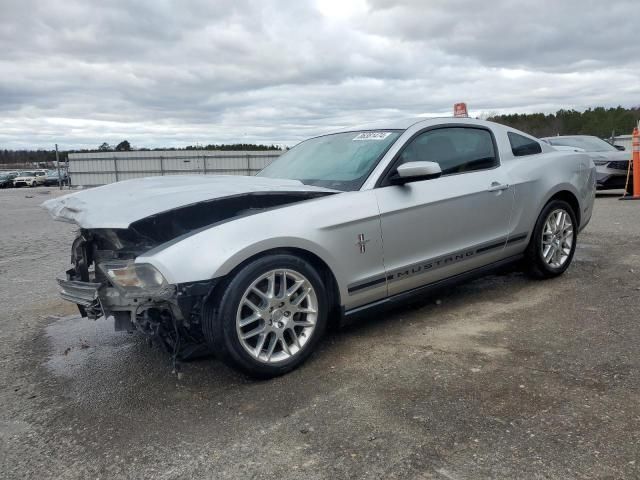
column 517, row 238
column 371, row 283
column 490, row 247
column 432, row 264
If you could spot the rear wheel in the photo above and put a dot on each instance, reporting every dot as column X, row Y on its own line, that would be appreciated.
column 553, row 242
column 268, row 318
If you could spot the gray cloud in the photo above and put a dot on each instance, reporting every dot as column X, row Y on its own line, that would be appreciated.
column 551, row 35
column 80, row 72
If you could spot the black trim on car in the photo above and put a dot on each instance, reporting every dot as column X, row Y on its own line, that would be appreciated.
column 490, row 247
column 432, row 264
column 517, row 238
column 403, row 296
column 365, row 285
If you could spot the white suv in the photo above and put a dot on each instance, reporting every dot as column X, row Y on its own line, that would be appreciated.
column 30, row 179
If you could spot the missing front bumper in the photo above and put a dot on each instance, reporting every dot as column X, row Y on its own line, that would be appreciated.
column 173, row 320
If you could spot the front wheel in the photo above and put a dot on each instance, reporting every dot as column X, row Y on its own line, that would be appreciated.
column 553, row 241
column 267, row 319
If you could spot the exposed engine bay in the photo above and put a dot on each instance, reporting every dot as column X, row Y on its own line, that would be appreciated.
column 105, row 280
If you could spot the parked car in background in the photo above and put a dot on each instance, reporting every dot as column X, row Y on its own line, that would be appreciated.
column 252, row 268
column 25, row 179
column 30, row 179
column 55, row 178
column 611, row 163
column 41, row 176
column 6, row 180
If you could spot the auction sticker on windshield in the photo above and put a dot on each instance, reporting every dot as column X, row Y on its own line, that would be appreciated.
column 372, row 136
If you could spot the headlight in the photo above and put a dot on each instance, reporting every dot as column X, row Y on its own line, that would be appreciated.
column 134, row 277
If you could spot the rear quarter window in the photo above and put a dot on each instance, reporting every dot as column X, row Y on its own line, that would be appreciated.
column 522, row 146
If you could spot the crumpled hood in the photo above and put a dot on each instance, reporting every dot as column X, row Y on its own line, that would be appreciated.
column 119, row 204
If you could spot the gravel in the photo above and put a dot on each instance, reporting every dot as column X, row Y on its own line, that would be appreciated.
column 504, row 377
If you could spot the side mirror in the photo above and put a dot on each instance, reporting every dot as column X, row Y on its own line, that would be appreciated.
column 415, row 171
column 619, row 147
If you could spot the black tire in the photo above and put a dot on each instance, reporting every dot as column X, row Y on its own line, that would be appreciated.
column 535, row 264
column 219, row 316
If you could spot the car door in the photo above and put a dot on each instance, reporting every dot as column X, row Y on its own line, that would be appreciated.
column 438, row 228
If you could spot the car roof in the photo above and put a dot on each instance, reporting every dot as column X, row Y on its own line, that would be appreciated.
column 404, row 124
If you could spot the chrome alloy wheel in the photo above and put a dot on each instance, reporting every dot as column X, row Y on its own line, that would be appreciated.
column 277, row 315
column 557, row 238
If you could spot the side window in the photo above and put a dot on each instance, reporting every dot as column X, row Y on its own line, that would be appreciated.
column 521, row 145
column 456, row 149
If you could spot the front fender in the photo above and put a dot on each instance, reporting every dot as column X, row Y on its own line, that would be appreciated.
column 217, row 251
column 276, row 243
column 328, row 227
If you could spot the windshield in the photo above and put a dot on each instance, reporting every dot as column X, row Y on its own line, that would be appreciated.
column 341, row 161
column 589, row 144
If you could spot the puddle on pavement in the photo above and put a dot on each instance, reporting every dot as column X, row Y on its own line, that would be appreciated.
column 103, row 368
column 77, row 343
column 119, row 372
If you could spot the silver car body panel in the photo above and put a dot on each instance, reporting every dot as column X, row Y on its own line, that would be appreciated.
column 378, row 241
column 611, row 166
column 328, row 227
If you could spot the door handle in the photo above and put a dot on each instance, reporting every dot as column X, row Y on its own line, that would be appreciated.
column 496, row 187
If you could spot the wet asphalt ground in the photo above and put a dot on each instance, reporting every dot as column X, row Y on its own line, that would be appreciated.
column 504, row 377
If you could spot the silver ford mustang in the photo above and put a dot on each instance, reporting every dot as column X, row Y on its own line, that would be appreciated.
column 253, row 268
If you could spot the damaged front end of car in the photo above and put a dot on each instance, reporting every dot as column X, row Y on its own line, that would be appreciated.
column 105, row 281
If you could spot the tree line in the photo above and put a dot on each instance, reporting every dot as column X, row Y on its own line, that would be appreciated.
column 125, row 146
column 48, row 157
column 600, row 122
column 28, row 157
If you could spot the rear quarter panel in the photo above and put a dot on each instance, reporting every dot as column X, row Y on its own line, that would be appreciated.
column 537, row 178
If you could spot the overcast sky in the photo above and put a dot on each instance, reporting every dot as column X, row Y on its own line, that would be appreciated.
column 175, row 73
